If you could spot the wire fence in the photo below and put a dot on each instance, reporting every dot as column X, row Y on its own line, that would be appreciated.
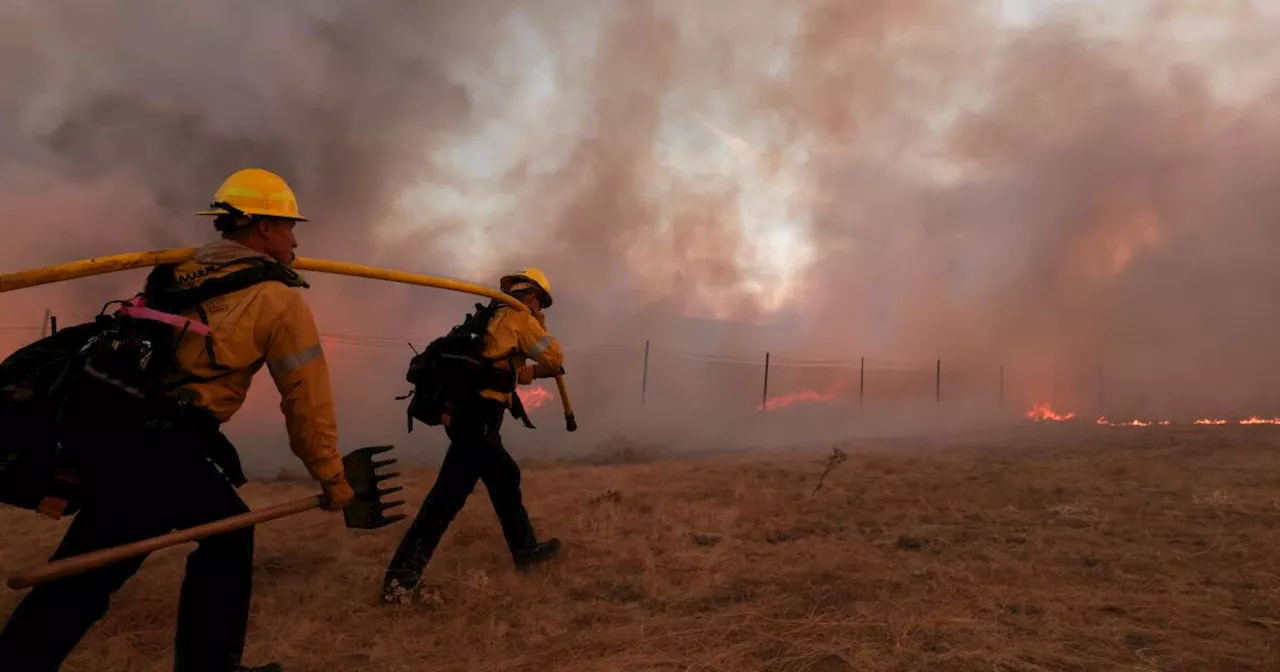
column 763, row 381
column 649, row 375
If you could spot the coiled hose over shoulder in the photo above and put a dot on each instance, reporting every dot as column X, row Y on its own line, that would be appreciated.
column 84, row 268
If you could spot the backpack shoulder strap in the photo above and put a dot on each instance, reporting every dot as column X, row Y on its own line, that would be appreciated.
column 479, row 322
column 164, row 293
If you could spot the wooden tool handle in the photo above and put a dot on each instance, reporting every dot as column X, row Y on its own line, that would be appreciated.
column 570, row 422
column 87, row 561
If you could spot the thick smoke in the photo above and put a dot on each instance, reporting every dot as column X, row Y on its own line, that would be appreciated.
column 1113, row 220
column 1078, row 198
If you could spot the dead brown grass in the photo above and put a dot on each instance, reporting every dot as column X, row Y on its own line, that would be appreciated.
column 1151, row 549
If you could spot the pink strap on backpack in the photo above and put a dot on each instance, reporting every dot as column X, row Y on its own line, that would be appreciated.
column 135, row 308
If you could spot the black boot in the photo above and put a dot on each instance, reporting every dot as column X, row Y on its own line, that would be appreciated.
column 540, row 552
column 399, row 587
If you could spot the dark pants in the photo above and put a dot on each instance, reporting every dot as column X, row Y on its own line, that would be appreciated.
column 475, row 454
column 140, row 484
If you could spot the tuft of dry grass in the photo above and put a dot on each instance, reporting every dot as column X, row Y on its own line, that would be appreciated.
column 1089, row 550
column 620, row 450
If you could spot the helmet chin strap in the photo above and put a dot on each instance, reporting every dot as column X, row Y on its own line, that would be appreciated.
column 233, row 210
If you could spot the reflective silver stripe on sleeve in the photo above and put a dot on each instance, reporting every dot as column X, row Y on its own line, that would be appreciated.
column 291, row 363
column 540, row 347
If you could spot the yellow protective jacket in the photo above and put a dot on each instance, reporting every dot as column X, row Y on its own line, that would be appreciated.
column 267, row 323
column 519, row 335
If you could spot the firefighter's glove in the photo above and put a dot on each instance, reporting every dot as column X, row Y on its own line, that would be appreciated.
column 337, row 493
column 525, row 374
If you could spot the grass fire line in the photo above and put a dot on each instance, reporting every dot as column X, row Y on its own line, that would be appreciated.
column 1043, row 412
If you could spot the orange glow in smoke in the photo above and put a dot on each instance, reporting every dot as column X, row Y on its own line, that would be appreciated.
column 534, row 396
column 792, row 398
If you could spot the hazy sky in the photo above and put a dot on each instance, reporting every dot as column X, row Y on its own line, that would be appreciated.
column 719, row 141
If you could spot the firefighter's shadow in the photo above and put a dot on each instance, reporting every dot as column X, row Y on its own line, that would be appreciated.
column 291, row 564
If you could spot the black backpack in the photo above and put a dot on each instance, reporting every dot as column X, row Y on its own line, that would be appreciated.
column 124, row 360
column 453, row 370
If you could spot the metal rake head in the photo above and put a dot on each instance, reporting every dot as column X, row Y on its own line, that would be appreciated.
column 366, row 511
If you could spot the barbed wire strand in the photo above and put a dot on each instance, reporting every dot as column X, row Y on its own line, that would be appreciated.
column 407, row 343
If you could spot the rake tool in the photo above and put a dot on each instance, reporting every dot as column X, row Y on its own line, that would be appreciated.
column 366, row 512
column 85, row 268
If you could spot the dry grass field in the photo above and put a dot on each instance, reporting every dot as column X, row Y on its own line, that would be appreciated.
column 1053, row 548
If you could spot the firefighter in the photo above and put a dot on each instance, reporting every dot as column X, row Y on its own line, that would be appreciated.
column 168, row 466
column 475, row 450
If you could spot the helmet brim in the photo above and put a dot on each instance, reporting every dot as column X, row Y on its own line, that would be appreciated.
column 252, row 211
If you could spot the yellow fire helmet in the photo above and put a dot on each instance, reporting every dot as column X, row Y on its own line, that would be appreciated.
column 526, row 277
column 254, row 191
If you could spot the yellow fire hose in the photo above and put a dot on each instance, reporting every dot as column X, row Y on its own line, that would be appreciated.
column 123, row 262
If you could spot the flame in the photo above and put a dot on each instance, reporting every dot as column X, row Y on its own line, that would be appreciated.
column 1132, row 423
column 534, row 397
column 1041, row 411
column 792, row 398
